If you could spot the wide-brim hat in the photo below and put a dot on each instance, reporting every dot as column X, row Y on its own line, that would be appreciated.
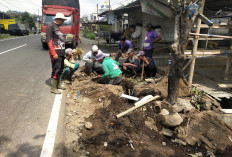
column 60, row 16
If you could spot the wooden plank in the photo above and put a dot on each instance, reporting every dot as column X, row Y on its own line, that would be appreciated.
column 227, row 111
column 137, row 106
column 225, row 85
column 217, row 26
column 205, row 52
column 208, row 38
column 215, row 36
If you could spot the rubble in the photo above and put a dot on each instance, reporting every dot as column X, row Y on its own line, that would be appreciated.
column 88, row 125
column 166, row 132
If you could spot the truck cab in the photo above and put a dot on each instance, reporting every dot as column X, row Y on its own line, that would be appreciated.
column 70, row 27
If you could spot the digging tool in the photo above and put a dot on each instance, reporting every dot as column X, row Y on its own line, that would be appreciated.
column 137, row 106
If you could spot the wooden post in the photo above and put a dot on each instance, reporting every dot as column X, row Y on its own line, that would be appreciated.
column 228, row 64
column 191, row 72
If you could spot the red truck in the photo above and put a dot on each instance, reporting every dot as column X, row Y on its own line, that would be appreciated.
column 70, row 28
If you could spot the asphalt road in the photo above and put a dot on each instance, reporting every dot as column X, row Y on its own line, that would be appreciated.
column 25, row 100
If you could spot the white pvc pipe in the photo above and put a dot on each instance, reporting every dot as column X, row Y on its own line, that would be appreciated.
column 129, row 97
column 144, row 99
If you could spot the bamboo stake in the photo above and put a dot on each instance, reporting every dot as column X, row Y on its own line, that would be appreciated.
column 142, row 72
column 189, row 62
column 191, row 72
column 137, row 106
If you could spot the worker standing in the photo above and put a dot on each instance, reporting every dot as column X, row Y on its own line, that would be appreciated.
column 56, row 44
column 151, row 37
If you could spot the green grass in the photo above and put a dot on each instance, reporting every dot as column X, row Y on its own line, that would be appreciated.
column 5, row 36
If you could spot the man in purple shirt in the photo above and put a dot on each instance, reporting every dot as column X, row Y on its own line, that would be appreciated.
column 151, row 36
column 123, row 46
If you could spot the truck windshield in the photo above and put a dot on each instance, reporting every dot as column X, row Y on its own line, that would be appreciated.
column 50, row 18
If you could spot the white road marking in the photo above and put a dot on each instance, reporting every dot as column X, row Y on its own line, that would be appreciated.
column 17, row 37
column 49, row 140
column 13, row 49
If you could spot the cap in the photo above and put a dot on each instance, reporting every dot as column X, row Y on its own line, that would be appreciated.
column 130, row 50
column 148, row 24
column 94, row 48
column 100, row 56
column 141, row 53
column 60, row 16
column 67, row 51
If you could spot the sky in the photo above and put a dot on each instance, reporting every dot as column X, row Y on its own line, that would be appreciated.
column 34, row 6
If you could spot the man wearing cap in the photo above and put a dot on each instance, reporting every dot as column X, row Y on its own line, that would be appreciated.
column 56, row 44
column 151, row 36
column 69, row 65
column 149, row 65
column 123, row 46
column 111, row 69
column 91, row 64
column 132, row 63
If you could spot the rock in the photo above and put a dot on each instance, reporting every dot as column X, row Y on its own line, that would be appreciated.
column 105, row 144
column 182, row 104
column 88, row 125
column 199, row 154
column 71, row 128
column 173, row 120
column 210, row 154
column 150, row 123
column 179, row 141
column 164, row 143
column 164, row 112
column 167, row 132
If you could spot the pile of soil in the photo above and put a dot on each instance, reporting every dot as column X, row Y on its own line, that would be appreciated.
column 138, row 134
column 163, row 87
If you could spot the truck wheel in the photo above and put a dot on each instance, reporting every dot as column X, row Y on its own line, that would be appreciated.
column 112, row 41
column 45, row 45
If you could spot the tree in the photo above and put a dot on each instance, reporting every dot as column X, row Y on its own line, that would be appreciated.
column 186, row 19
column 27, row 20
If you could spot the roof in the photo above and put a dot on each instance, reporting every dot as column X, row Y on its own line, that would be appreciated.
column 216, row 5
column 213, row 5
column 130, row 7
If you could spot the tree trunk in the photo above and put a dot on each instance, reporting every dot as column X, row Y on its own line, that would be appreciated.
column 178, row 49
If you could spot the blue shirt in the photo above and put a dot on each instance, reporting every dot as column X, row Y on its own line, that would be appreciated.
column 127, row 45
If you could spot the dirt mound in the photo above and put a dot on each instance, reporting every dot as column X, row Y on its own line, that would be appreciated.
column 163, row 88
column 140, row 133
column 205, row 128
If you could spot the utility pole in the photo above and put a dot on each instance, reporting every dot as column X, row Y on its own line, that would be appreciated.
column 109, row 30
column 98, row 26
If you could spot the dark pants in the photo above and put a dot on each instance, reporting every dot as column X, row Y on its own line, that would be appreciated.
column 57, row 67
column 150, row 72
column 149, row 53
column 131, row 70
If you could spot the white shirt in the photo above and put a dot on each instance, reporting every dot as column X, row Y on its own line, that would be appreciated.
column 90, row 55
